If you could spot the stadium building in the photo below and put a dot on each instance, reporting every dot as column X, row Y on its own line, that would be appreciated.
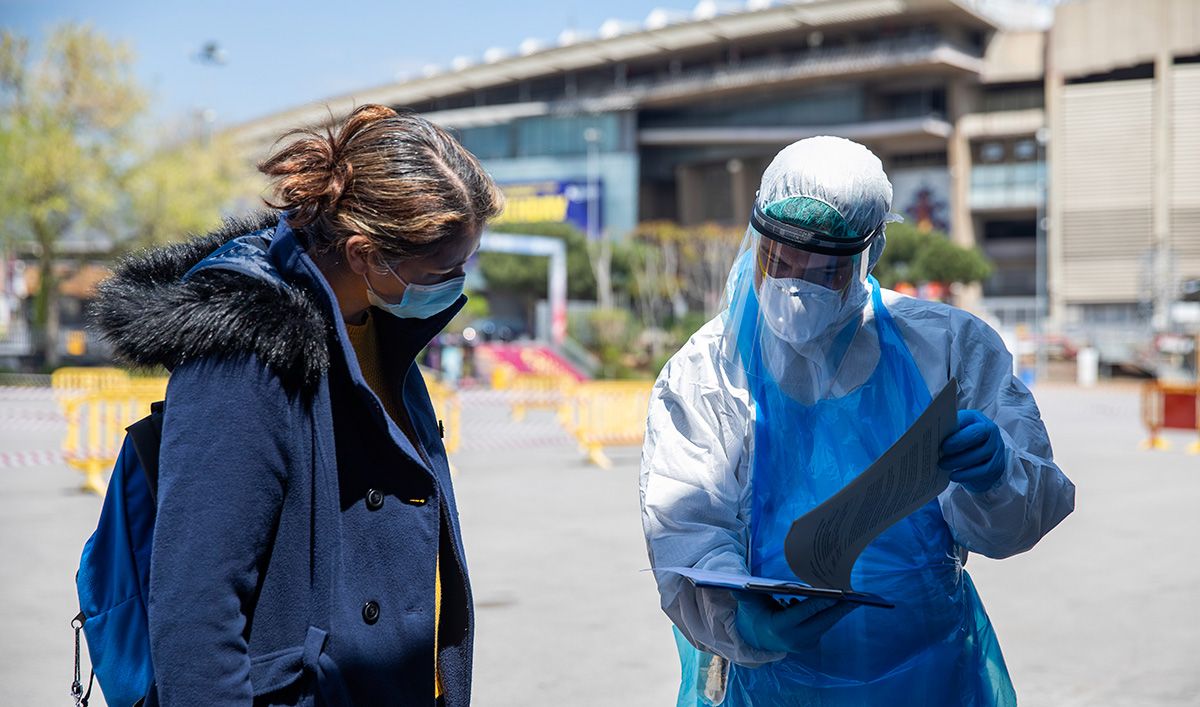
column 675, row 117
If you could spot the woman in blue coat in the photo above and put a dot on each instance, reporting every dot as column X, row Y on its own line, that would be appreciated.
column 307, row 546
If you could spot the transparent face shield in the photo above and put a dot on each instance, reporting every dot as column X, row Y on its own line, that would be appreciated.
column 792, row 268
column 794, row 289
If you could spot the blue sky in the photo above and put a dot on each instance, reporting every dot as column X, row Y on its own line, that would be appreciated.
column 282, row 54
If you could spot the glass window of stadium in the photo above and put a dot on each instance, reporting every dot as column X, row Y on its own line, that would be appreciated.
column 552, row 135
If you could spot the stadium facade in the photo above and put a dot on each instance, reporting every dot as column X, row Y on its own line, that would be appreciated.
column 966, row 101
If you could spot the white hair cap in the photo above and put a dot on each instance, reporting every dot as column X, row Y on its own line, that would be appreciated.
column 840, row 172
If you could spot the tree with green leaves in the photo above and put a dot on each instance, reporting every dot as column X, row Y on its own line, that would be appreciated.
column 66, row 120
column 183, row 187
column 917, row 256
column 680, row 269
column 74, row 158
column 657, row 284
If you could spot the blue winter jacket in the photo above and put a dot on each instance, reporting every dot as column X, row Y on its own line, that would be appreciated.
column 298, row 529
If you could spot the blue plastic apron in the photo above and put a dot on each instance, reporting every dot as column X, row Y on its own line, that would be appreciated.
column 937, row 646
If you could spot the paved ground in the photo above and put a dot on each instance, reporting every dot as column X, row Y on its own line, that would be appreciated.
column 1103, row 612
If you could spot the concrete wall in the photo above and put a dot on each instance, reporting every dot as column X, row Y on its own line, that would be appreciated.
column 1098, row 36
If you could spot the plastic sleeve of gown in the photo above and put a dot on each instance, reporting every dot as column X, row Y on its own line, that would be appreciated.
column 694, row 493
column 1033, row 495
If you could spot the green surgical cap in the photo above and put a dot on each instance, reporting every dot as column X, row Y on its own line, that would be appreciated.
column 811, row 214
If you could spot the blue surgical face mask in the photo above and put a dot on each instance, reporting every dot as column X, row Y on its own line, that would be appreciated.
column 419, row 301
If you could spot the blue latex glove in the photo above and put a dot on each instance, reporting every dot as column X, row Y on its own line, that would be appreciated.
column 975, row 454
column 766, row 625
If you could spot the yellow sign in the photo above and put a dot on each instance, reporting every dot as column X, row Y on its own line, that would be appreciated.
column 534, row 208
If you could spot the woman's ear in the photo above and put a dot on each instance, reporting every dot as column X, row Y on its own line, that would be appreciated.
column 358, row 254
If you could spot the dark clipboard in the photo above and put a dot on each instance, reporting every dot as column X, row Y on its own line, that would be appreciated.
column 779, row 589
column 803, row 590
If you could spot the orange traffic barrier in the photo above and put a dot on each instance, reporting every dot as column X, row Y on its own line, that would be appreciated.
column 1170, row 406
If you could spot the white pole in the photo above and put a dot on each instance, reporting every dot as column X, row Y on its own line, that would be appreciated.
column 558, row 294
column 592, row 136
column 603, row 260
column 1040, row 299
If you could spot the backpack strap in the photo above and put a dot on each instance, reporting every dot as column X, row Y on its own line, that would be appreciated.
column 146, row 435
column 81, row 697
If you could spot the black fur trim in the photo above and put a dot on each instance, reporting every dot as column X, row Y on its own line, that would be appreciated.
column 152, row 318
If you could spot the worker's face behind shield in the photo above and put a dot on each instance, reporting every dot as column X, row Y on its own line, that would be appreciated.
column 777, row 261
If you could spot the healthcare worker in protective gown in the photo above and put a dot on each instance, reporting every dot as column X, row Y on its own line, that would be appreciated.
column 812, row 371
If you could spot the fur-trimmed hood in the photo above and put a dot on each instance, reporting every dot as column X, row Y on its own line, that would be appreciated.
column 206, row 297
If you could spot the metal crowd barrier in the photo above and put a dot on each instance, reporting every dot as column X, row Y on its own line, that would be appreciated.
column 100, row 403
column 96, row 422
column 525, row 391
column 546, row 392
column 604, row 414
column 70, row 381
column 598, row 414
column 448, row 408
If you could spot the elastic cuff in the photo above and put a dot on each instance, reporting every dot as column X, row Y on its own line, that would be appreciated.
column 992, row 493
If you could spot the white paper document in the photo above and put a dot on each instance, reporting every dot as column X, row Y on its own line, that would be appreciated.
column 824, row 543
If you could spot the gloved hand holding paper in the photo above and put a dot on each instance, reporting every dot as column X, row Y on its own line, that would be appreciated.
column 824, row 543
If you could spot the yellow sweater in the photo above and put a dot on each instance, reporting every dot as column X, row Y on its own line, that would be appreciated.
column 366, row 348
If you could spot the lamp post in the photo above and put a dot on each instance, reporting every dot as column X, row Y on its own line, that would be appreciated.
column 603, row 263
column 592, row 137
column 1042, row 136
